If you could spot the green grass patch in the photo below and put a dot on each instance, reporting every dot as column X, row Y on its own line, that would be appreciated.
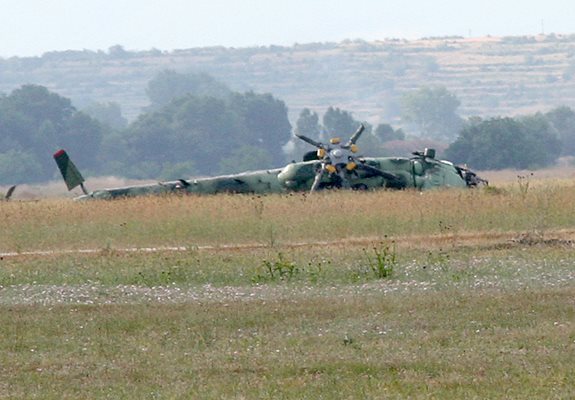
column 404, row 295
column 426, row 344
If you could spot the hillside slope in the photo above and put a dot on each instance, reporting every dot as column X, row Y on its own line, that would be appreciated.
column 491, row 76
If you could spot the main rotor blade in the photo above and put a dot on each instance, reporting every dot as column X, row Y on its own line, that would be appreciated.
column 356, row 135
column 10, row 192
column 310, row 141
column 377, row 171
column 317, row 179
column 344, row 180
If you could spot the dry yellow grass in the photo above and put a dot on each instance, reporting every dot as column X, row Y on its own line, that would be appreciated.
column 561, row 174
column 284, row 219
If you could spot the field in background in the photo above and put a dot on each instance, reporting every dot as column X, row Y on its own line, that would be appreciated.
column 440, row 294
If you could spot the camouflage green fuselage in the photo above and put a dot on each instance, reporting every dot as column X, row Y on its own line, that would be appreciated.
column 421, row 173
column 418, row 173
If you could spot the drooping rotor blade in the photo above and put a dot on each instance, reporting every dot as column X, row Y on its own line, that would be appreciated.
column 311, row 141
column 317, row 179
column 344, row 180
column 10, row 192
column 183, row 183
column 356, row 135
column 377, row 171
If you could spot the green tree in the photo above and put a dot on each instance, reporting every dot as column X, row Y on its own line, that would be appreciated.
column 308, row 124
column 339, row 123
column 18, row 166
column 35, row 122
column 434, row 111
column 82, row 135
column 108, row 114
column 207, row 130
column 39, row 105
column 542, row 143
column 499, row 143
column 563, row 120
column 265, row 121
column 386, row 133
column 245, row 158
column 149, row 143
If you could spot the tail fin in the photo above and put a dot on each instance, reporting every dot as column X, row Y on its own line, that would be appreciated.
column 70, row 173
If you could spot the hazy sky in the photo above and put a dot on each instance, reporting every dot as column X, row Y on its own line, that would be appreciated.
column 32, row 27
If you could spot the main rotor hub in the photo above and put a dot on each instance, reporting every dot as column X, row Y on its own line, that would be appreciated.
column 337, row 154
column 339, row 159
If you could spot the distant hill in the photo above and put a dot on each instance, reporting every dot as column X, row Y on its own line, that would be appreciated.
column 491, row 76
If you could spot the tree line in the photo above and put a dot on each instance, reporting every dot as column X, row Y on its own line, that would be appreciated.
column 523, row 142
column 204, row 129
column 196, row 125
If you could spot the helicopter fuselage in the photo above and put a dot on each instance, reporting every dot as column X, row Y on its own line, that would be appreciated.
column 420, row 173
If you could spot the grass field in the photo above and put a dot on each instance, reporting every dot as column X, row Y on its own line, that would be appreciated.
column 444, row 294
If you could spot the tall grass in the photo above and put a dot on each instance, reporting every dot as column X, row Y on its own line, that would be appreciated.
column 276, row 219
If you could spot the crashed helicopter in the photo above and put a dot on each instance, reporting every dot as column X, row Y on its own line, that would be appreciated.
column 332, row 165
